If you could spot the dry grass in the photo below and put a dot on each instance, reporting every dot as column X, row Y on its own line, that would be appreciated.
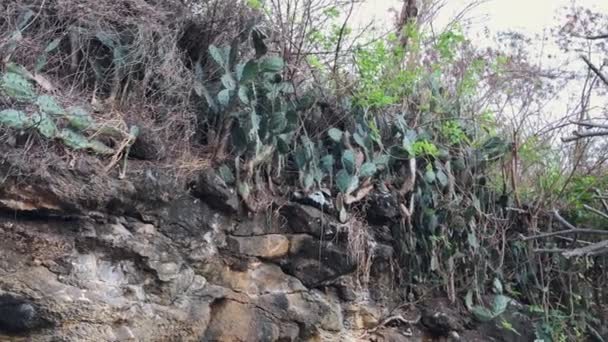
column 128, row 61
column 360, row 247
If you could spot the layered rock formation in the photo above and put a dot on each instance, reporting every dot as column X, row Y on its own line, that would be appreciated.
column 89, row 257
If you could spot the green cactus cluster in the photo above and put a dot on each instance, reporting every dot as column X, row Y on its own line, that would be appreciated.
column 69, row 125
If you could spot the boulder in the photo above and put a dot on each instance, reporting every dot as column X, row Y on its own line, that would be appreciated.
column 313, row 261
column 212, row 189
column 304, row 219
column 148, row 146
column 441, row 317
column 269, row 246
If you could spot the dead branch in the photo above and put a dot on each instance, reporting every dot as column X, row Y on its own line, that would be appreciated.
column 589, row 124
column 566, row 232
column 595, row 211
column 571, row 230
column 600, row 36
column 602, row 199
column 591, row 250
column 341, row 36
column 595, row 70
column 582, row 135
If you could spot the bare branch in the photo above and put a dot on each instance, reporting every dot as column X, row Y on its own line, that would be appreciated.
column 595, row 211
column 566, row 232
column 600, row 36
column 591, row 250
column 595, row 70
column 341, row 35
column 589, row 124
column 582, row 135
column 571, row 230
column 602, row 199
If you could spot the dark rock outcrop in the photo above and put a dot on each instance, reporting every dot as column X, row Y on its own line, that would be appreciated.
column 88, row 257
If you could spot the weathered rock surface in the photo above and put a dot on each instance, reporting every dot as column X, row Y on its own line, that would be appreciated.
column 87, row 257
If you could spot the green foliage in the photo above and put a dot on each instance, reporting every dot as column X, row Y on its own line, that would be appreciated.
column 454, row 133
column 447, row 42
column 255, row 4
column 377, row 87
column 14, row 119
column 16, row 86
column 50, row 115
column 425, row 148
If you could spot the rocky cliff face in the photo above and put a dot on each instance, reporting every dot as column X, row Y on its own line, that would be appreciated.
column 88, row 257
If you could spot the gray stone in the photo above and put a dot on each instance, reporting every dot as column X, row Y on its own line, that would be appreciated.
column 211, row 189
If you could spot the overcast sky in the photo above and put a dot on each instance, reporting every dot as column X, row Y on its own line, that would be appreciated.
column 529, row 16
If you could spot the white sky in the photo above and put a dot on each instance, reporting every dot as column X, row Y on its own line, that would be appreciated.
column 529, row 16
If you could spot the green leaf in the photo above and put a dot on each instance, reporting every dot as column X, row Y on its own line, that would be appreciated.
column 100, row 148
column 79, row 119
column 283, row 142
column 218, row 56
column 360, row 141
column 239, row 139
column 309, row 181
column 272, row 64
column 408, row 145
column 48, row 105
column 19, row 70
column 349, row 161
column 274, row 90
column 458, row 164
column 223, row 97
column 17, row 87
column 244, row 190
column 287, row 88
column 255, row 4
column 368, row 170
column 42, row 59
column 343, row 215
column 482, row 314
column 442, row 178
column 468, row 300
column 327, row 163
column 250, row 71
column 278, row 122
column 335, row 134
column 24, row 19
column 73, row 139
column 497, row 286
column 301, row 158
column 200, row 89
column 43, row 123
column 382, row 161
column 53, row 45
column 107, row 39
column 244, row 94
column 14, row 119
column 344, row 181
column 134, row 131
column 226, row 174
column 40, row 62
column 472, row 240
column 500, row 304
column 429, row 176
column 228, row 81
